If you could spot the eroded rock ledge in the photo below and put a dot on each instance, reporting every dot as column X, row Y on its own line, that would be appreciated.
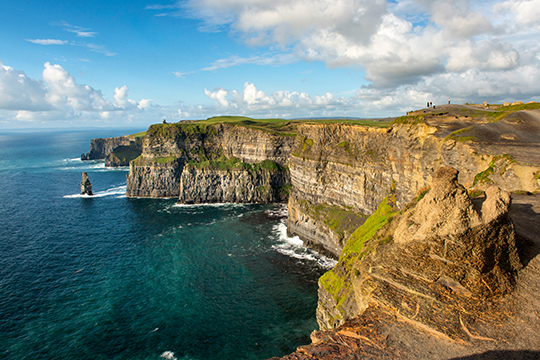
column 437, row 280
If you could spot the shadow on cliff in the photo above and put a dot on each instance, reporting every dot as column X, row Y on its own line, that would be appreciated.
column 503, row 355
column 526, row 220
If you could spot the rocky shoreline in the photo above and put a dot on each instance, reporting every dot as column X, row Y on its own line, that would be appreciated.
column 427, row 258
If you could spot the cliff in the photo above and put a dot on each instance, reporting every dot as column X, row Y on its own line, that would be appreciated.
column 214, row 161
column 440, row 279
column 352, row 168
column 418, row 252
column 117, row 151
column 266, row 182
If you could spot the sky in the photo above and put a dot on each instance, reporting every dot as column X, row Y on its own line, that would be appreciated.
column 66, row 64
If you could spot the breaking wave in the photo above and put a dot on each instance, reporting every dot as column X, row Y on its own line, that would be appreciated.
column 294, row 247
column 120, row 190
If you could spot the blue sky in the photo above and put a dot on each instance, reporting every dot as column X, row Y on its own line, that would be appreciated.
column 109, row 63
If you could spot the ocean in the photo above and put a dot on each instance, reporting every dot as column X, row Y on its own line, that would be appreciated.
column 110, row 277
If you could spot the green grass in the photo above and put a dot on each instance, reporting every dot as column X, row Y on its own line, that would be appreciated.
column 337, row 282
column 455, row 135
column 476, row 193
column 164, row 160
column 127, row 153
column 138, row 135
column 338, row 218
column 501, row 161
column 410, row 120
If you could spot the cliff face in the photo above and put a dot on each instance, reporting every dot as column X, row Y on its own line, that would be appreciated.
column 100, row 148
column 447, row 242
column 211, row 163
column 355, row 167
column 238, row 185
column 438, row 280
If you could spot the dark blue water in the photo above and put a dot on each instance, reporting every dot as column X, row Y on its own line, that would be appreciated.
column 110, row 277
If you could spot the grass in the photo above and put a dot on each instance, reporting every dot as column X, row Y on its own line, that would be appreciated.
column 455, row 135
column 164, row 160
column 337, row 282
column 501, row 161
column 276, row 126
column 338, row 218
column 410, row 120
column 138, row 135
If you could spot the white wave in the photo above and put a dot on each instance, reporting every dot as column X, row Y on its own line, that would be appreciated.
column 294, row 247
column 280, row 212
column 209, row 205
column 169, row 355
column 74, row 159
column 120, row 190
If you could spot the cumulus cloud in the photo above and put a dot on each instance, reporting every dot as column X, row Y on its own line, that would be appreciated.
column 255, row 101
column 526, row 12
column 58, row 96
column 19, row 92
column 396, row 44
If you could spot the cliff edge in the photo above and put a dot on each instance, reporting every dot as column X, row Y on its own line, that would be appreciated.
column 440, row 279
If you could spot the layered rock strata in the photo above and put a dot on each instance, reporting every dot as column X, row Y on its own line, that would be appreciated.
column 239, row 185
column 354, row 167
column 211, row 163
column 427, row 264
column 440, row 279
column 100, row 148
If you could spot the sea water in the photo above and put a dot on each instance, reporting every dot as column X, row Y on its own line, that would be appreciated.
column 110, row 277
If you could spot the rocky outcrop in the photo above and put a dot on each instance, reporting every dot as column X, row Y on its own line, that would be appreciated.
column 100, row 148
column 86, row 186
column 355, row 167
column 237, row 185
column 149, row 178
column 429, row 263
column 123, row 154
column 438, row 280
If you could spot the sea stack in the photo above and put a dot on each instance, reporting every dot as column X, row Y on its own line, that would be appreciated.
column 86, row 186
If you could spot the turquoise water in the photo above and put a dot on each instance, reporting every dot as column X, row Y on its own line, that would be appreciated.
column 110, row 277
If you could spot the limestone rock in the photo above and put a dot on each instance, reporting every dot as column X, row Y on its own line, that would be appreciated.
column 233, row 186
column 86, row 186
column 430, row 263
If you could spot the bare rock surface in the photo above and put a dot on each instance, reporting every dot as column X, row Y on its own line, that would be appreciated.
column 444, row 292
column 86, row 186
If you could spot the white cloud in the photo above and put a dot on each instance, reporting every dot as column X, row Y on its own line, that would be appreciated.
column 121, row 99
column 47, row 41
column 271, row 60
column 59, row 97
column 396, row 44
column 526, row 12
column 253, row 101
column 79, row 31
column 19, row 92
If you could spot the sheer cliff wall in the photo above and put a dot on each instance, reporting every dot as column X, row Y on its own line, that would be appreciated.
column 211, row 163
column 354, row 167
column 335, row 175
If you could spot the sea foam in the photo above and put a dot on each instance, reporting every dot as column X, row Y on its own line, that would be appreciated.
column 120, row 190
column 294, row 247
